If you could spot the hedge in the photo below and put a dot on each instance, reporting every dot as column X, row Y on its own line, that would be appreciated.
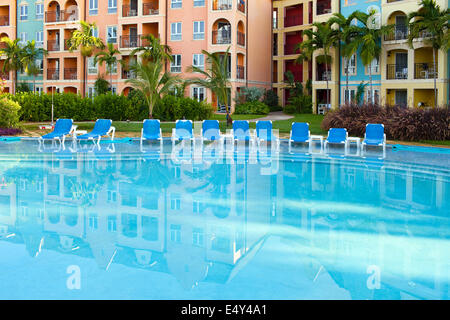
column 37, row 108
column 406, row 124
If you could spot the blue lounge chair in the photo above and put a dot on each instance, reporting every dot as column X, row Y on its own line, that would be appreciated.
column 241, row 131
column 63, row 127
column 102, row 127
column 211, row 131
column 374, row 136
column 300, row 134
column 264, row 132
column 337, row 136
column 151, row 130
column 182, row 131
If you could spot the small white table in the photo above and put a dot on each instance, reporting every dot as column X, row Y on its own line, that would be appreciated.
column 317, row 137
column 357, row 140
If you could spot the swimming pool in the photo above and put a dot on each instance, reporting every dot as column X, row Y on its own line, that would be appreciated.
column 121, row 222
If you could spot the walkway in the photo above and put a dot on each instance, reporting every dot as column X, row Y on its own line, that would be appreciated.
column 274, row 116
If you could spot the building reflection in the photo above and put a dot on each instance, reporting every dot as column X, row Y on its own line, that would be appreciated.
column 205, row 220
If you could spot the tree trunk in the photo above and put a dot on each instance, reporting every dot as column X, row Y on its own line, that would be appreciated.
column 34, row 84
column 434, row 77
column 83, row 94
column 14, row 84
column 370, row 80
column 328, row 91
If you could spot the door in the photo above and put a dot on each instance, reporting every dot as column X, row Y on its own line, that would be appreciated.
column 133, row 37
column 400, row 27
column 401, row 98
column 401, row 65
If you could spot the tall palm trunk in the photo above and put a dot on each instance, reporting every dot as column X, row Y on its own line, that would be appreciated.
column 328, row 91
column 83, row 94
column 370, row 80
column 346, row 80
column 34, row 84
column 434, row 77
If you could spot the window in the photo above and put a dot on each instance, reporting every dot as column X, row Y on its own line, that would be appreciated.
column 94, row 32
column 373, row 96
column 175, row 65
column 93, row 221
column 198, row 93
column 349, row 95
column 175, row 233
column 175, row 31
column 375, row 67
column 112, row 6
column 39, row 39
column 175, row 202
column 39, row 10
column 176, row 4
column 92, row 67
column 114, row 89
column 199, row 30
column 24, row 12
column 40, row 64
column 199, row 3
column 93, row 7
column 198, row 61
column 112, row 196
column 113, row 68
column 91, row 92
column 112, row 223
column 39, row 90
column 351, row 65
column 111, row 34
column 198, row 237
column 23, row 37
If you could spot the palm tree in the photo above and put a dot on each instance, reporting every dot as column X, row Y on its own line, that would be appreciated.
column 323, row 38
column 152, row 82
column 348, row 33
column 30, row 55
column 12, row 52
column 215, row 76
column 84, row 40
column 433, row 22
column 154, row 50
column 109, row 58
column 369, row 40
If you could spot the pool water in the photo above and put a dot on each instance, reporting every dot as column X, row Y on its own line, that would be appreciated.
column 121, row 221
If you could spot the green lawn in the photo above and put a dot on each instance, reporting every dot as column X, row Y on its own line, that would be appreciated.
column 314, row 120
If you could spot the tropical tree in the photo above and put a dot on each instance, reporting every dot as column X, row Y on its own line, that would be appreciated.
column 108, row 57
column 152, row 82
column 12, row 52
column 84, row 39
column 432, row 22
column 321, row 38
column 215, row 76
column 348, row 33
column 153, row 50
column 29, row 58
column 369, row 40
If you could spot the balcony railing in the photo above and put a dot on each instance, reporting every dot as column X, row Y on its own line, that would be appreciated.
column 70, row 73
column 53, row 45
column 396, row 72
column 52, row 74
column 59, row 16
column 240, row 72
column 4, row 21
column 128, row 11
column 425, row 70
column 4, row 75
column 323, row 75
column 399, row 32
column 222, row 5
column 290, row 48
column 149, row 9
column 128, row 74
column 221, row 37
column 295, row 20
column 324, row 7
column 129, row 41
column 241, row 38
column 241, row 6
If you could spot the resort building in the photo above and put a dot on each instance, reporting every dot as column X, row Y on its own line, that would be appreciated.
column 7, row 29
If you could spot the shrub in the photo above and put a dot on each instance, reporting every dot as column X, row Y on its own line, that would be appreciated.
column 249, row 94
column 138, row 108
column 400, row 123
column 171, row 108
column 271, row 99
column 101, row 86
column 9, row 113
column 255, row 107
column 10, row 131
column 299, row 104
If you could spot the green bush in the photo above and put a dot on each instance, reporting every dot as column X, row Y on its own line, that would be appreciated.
column 9, row 113
column 171, row 108
column 138, row 108
column 271, row 99
column 255, row 107
column 299, row 104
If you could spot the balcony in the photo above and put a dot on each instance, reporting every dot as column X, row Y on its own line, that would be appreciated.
column 61, row 16
column 4, row 21
column 221, row 37
column 323, row 75
column 130, row 41
column 52, row 74
column 128, row 74
column 323, row 7
column 298, row 75
column 399, row 32
column 396, row 72
column 70, row 73
column 290, row 49
column 240, row 72
column 149, row 9
column 291, row 21
column 222, row 5
column 425, row 70
column 241, row 39
column 128, row 11
column 53, row 45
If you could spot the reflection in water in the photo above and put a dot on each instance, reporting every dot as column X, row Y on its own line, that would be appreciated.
column 227, row 223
